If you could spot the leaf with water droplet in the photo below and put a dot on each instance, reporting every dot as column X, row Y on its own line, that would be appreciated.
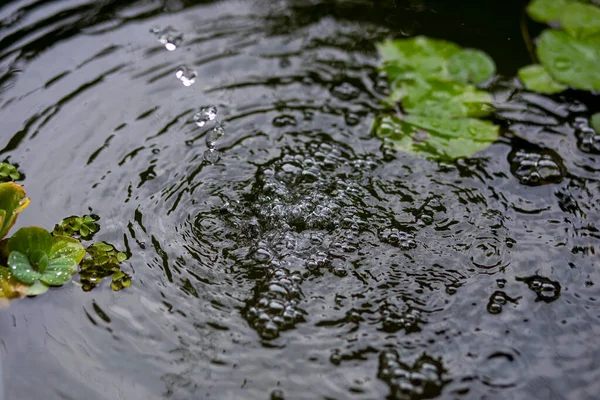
column 441, row 98
column 37, row 255
column 446, row 138
column 102, row 261
column 581, row 20
column 569, row 60
column 535, row 78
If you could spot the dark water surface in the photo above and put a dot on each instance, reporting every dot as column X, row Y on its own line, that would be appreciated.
column 311, row 261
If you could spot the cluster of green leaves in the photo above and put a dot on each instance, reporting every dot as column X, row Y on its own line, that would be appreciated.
column 103, row 260
column 85, row 227
column 9, row 172
column 569, row 57
column 33, row 259
column 434, row 81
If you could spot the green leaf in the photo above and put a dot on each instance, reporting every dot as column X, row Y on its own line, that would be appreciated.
column 8, row 172
column 537, row 79
column 37, row 255
column 437, row 138
column 548, row 10
column 595, row 122
column 12, row 202
column 581, row 20
column 36, row 289
column 471, row 66
column 102, row 261
column 21, row 269
column 30, row 241
column 405, row 58
column 85, row 226
column 571, row 61
column 66, row 247
column 438, row 98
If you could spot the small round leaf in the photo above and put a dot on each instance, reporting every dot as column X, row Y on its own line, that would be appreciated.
column 21, row 269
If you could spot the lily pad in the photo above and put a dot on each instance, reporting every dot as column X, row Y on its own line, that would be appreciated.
column 569, row 60
column 36, row 255
column 437, row 138
column 8, row 172
column 12, row 202
column 581, row 20
column 537, row 79
column 548, row 10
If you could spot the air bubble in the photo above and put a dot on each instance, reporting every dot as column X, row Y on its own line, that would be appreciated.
column 546, row 289
column 534, row 167
column 345, row 91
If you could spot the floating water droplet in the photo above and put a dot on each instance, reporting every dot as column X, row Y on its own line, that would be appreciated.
column 186, row 75
column 205, row 115
column 212, row 156
column 214, row 136
column 168, row 36
column 284, row 120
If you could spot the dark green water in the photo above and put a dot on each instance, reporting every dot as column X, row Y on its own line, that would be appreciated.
column 309, row 262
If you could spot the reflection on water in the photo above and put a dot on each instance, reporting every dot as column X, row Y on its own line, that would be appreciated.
column 278, row 250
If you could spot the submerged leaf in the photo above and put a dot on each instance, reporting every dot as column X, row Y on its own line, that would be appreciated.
column 438, row 138
column 581, row 20
column 537, row 79
column 571, row 61
column 12, row 202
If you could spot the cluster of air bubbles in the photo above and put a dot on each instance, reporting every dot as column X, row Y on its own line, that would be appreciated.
column 423, row 380
column 395, row 237
column 409, row 321
column 275, row 304
column 497, row 300
column 535, row 167
column 546, row 289
column 588, row 140
column 170, row 37
column 186, row 75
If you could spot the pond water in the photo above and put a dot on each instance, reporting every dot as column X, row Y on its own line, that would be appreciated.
column 278, row 249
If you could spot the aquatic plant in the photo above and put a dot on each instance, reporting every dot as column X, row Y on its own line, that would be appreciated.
column 39, row 259
column 33, row 259
column 85, row 226
column 568, row 56
column 102, row 261
column 434, row 82
column 9, row 172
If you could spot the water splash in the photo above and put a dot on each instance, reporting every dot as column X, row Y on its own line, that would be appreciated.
column 186, row 75
column 205, row 115
column 170, row 37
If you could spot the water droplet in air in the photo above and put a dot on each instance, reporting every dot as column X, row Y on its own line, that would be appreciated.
column 213, row 136
column 168, row 36
column 186, row 75
column 212, row 156
column 205, row 115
